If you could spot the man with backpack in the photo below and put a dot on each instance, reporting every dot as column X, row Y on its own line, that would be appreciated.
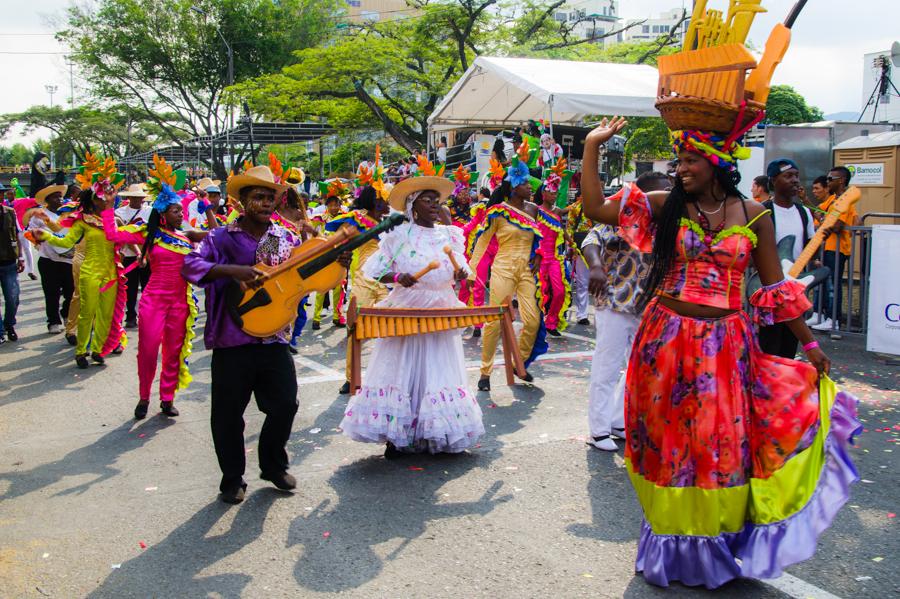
column 791, row 217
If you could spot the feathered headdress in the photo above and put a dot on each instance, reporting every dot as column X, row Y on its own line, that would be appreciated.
column 334, row 187
column 162, row 183
column 463, row 179
column 497, row 172
column 556, row 180
column 426, row 168
column 518, row 172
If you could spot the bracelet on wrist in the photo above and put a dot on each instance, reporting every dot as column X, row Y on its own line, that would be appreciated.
column 810, row 346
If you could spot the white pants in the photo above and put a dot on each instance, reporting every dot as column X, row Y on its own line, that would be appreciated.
column 580, row 292
column 614, row 333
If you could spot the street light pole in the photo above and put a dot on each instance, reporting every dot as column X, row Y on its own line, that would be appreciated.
column 230, row 54
column 52, row 89
column 71, row 65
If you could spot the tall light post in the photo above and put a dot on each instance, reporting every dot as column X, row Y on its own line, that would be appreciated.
column 200, row 11
column 71, row 64
column 52, row 89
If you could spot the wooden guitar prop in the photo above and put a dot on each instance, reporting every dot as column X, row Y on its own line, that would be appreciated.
column 794, row 269
column 268, row 308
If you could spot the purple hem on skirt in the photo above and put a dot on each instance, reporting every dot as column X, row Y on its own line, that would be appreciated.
column 763, row 549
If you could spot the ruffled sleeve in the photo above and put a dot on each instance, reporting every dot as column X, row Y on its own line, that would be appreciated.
column 779, row 302
column 636, row 224
column 382, row 260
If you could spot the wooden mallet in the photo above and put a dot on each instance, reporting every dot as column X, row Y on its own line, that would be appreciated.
column 431, row 266
column 449, row 251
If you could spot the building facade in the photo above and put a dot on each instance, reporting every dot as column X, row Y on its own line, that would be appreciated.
column 359, row 11
column 653, row 28
column 591, row 18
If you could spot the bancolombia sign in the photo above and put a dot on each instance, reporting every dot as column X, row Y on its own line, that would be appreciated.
column 867, row 174
column 883, row 331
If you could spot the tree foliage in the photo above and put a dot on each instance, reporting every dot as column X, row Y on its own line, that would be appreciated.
column 161, row 58
column 115, row 131
column 787, row 107
column 392, row 74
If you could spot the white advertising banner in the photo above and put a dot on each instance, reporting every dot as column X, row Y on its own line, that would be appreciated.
column 867, row 174
column 883, row 332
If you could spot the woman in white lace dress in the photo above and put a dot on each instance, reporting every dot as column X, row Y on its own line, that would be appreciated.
column 415, row 396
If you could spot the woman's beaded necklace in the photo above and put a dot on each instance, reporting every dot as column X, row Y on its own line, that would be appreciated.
column 709, row 232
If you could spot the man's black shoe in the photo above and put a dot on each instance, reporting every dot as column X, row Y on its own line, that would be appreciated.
column 282, row 480
column 316, row 325
column 11, row 334
column 345, row 389
column 235, row 495
column 584, row 322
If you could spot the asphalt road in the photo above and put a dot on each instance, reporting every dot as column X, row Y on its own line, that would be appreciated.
column 93, row 504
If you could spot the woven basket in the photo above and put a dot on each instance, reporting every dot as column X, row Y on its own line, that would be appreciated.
column 688, row 112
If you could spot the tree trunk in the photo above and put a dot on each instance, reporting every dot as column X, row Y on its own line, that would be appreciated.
column 409, row 142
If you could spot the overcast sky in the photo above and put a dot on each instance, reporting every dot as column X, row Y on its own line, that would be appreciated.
column 824, row 62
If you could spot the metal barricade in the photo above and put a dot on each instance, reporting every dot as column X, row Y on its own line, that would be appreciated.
column 849, row 316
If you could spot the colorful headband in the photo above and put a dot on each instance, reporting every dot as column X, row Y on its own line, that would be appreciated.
column 717, row 149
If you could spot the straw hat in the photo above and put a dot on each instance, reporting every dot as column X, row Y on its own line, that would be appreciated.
column 207, row 182
column 50, row 189
column 138, row 190
column 255, row 176
column 403, row 189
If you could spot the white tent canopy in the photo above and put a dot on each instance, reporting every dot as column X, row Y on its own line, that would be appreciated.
column 501, row 92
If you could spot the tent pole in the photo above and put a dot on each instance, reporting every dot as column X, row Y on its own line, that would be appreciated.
column 428, row 141
column 551, row 117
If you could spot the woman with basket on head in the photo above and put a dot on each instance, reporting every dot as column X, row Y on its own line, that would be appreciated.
column 739, row 458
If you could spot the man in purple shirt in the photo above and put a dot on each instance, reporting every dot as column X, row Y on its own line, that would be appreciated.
column 242, row 364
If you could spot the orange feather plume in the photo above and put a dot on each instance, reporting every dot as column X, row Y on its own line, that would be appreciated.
column 522, row 152
column 163, row 171
column 560, row 167
column 90, row 166
column 276, row 167
column 461, row 175
column 365, row 176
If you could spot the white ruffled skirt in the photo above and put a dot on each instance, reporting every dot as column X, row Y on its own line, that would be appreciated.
column 415, row 394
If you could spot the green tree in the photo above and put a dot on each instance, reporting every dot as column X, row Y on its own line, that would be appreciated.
column 116, row 131
column 163, row 59
column 15, row 155
column 391, row 75
column 787, row 107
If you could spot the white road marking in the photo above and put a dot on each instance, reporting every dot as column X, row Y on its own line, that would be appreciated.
column 326, row 374
column 797, row 588
column 568, row 355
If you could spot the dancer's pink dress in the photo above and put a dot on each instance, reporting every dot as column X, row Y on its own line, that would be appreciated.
column 167, row 309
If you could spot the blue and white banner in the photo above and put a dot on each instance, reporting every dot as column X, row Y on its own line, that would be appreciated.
column 883, row 333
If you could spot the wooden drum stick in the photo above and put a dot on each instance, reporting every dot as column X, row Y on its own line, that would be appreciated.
column 449, row 251
column 431, row 266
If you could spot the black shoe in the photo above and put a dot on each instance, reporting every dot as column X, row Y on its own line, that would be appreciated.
column 294, row 351
column 97, row 358
column 316, row 325
column 345, row 389
column 282, row 480
column 584, row 322
column 338, row 324
column 554, row 333
column 81, row 361
column 527, row 378
column 484, row 384
column 476, row 333
column 131, row 323
column 72, row 340
column 235, row 495
column 2, row 340
column 168, row 408
column 391, row 452
column 119, row 349
column 140, row 410
column 11, row 334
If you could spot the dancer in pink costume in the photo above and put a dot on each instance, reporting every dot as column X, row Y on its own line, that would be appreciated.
column 555, row 290
column 472, row 293
column 167, row 308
